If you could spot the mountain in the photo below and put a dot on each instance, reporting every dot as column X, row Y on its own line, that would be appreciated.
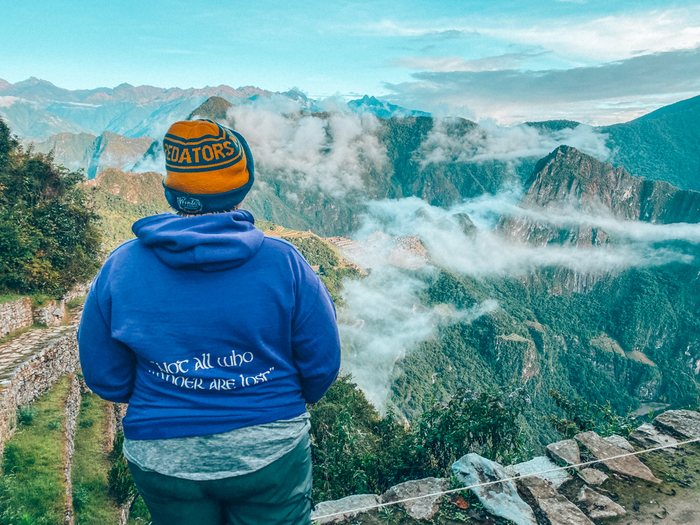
column 69, row 149
column 36, row 108
column 572, row 180
column 94, row 154
column 110, row 149
column 382, row 109
column 121, row 198
column 214, row 108
column 661, row 145
column 28, row 119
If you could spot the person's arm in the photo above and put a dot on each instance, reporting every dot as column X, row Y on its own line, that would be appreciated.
column 315, row 339
column 108, row 365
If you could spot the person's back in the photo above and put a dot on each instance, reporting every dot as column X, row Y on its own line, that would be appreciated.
column 216, row 336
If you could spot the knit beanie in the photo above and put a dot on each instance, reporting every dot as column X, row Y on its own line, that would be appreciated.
column 209, row 168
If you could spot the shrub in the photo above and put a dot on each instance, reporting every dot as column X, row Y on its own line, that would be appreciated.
column 26, row 414
column 582, row 416
column 121, row 484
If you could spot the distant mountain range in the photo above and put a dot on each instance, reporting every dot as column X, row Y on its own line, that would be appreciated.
column 36, row 108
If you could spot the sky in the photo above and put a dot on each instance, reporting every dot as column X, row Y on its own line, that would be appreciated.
column 509, row 61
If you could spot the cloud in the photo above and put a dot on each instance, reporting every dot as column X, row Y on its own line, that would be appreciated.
column 312, row 153
column 608, row 38
column 488, row 253
column 490, row 142
column 383, row 320
column 456, row 63
column 511, row 95
column 593, row 38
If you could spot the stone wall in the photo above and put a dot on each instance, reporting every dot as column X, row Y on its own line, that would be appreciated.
column 72, row 408
column 52, row 314
column 15, row 315
column 34, row 377
column 18, row 314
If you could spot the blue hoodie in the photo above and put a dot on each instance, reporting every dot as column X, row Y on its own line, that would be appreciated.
column 204, row 325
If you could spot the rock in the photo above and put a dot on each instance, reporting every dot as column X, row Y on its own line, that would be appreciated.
column 342, row 509
column 423, row 508
column 685, row 423
column 591, row 476
column 620, row 442
column 565, row 451
column 630, row 466
column 556, row 509
column 648, row 436
column 598, row 506
column 500, row 499
column 540, row 464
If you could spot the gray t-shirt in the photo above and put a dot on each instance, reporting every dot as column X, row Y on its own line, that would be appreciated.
column 216, row 456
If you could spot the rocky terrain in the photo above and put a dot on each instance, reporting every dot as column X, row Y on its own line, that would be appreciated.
column 582, row 481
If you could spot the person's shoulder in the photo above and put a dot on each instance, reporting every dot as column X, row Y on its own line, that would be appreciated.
column 126, row 251
column 281, row 246
column 284, row 250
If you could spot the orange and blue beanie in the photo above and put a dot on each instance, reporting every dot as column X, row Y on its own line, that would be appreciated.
column 209, row 168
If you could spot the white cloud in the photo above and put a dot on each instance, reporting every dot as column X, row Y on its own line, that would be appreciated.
column 490, row 142
column 312, row 153
column 7, row 101
column 592, row 38
column 457, row 63
column 609, row 38
column 582, row 93
column 383, row 320
column 488, row 253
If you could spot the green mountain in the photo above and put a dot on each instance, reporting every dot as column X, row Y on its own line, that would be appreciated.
column 121, row 199
column 662, row 145
column 624, row 336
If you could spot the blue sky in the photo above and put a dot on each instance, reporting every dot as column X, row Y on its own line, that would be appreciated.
column 589, row 60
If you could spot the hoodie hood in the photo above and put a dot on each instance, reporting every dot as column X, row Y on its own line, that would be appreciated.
column 208, row 243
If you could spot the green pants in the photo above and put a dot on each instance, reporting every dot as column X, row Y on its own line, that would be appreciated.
column 279, row 494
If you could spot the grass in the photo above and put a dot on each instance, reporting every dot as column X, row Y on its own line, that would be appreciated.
column 40, row 299
column 139, row 513
column 92, row 502
column 32, row 489
column 6, row 298
column 76, row 301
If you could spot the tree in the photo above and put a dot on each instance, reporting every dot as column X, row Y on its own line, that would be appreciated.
column 48, row 234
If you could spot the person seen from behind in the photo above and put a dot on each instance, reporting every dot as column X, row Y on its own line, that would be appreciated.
column 217, row 337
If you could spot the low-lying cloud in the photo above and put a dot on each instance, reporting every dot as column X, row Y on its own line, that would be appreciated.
column 490, row 142
column 312, row 153
column 485, row 252
column 383, row 319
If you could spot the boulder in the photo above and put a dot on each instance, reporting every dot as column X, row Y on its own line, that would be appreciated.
column 648, row 436
column 620, row 442
column 540, row 464
column 565, row 452
column 342, row 509
column 556, row 509
column 598, row 506
column 501, row 498
column 591, row 476
column 423, row 508
column 626, row 465
column 684, row 423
